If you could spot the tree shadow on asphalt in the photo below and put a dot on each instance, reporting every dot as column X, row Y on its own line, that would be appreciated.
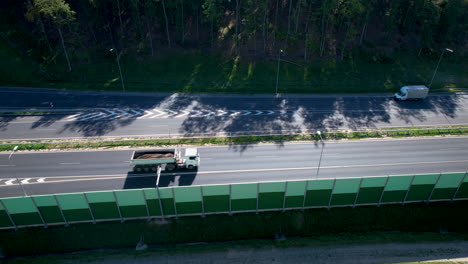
column 252, row 115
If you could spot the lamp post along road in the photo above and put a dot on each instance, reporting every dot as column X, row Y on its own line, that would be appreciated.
column 9, row 161
column 277, row 71
column 120, row 69
column 321, row 153
column 440, row 59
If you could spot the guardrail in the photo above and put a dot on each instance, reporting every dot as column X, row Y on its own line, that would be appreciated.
column 305, row 134
column 122, row 205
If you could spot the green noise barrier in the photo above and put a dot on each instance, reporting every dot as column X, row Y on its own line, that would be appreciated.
column 65, row 209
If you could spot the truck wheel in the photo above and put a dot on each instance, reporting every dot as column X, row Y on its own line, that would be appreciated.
column 190, row 167
column 170, row 167
column 137, row 169
column 154, row 168
column 146, row 169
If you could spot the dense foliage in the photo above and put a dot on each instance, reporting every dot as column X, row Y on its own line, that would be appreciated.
column 85, row 30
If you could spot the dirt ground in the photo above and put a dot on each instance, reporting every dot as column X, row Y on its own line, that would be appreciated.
column 445, row 252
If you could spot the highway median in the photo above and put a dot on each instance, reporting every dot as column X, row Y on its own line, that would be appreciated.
column 230, row 138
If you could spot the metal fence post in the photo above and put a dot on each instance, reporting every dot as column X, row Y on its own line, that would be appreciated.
column 305, row 194
column 61, row 210
column 39, row 212
column 202, row 201
column 284, row 198
column 459, row 185
column 9, row 216
column 230, row 199
column 146, row 204
column 118, row 206
column 357, row 194
column 89, row 207
column 175, row 204
column 258, row 196
column 430, row 195
column 331, row 194
column 160, row 202
column 383, row 191
column 407, row 191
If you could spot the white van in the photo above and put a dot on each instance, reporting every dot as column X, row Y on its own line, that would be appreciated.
column 413, row 92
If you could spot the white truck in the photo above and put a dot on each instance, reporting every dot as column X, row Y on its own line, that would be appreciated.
column 150, row 160
column 413, row 92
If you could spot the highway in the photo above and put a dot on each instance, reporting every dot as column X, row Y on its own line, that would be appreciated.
column 94, row 114
column 77, row 171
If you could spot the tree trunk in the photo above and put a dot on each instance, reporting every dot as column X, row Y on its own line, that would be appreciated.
column 364, row 28
column 237, row 18
column 265, row 26
column 182, row 17
column 345, row 39
column 120, row 18
column 298, row 13
column 45, row 35
column 276, row 23
column 306, row 31
column 64, row 49
column 212, row 28
column 289, row 20
column 324, row 28
column 167, row 24
column 150, row 36
column 198, row 31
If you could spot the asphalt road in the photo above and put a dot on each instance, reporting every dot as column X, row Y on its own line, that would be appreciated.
column 63, row 172
column 93, row 114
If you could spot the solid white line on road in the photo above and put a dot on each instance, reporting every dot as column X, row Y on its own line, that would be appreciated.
column 46, row 129
column 7, row 165
column 266, row 156
column 41, row 180
column 70, row 163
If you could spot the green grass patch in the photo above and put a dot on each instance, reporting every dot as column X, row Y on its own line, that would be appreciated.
column 193, row 72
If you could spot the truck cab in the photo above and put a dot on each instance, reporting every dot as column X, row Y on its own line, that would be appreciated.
column 191, row 158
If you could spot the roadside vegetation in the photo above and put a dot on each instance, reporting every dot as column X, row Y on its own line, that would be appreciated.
column 230, row 140
column 213, row 46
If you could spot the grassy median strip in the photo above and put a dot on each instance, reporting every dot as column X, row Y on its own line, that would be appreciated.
column 231, row 140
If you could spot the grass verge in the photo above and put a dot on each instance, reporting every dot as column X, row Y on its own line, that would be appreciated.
column 197, row 72
column 345, row 225
column 231, row 140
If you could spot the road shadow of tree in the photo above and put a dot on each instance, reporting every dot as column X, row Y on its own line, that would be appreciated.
column 227, row 115
column 5, row 120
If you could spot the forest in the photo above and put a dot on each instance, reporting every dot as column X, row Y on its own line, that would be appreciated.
column 61, row 35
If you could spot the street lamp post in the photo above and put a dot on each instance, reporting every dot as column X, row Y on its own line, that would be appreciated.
column 9, row 161
column 120, row 69
column 440, row 59
column 321, row 152
column 277, row 71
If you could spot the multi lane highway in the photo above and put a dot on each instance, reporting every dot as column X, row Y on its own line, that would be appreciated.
column 62, row 172
column 93, row 114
